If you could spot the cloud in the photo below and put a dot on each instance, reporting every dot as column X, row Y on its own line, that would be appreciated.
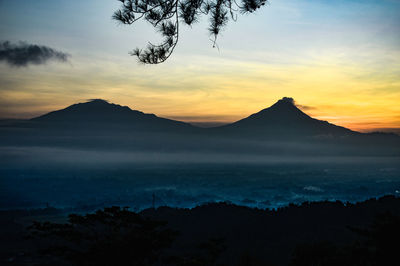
column 305, row 107
column 23, row 54
column 395, row 130
column 288, row 99
column 292, row 101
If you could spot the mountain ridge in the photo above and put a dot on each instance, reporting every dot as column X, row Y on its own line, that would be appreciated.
column 101, row 112
column 285, row 118
column 282, row 129
column 282, row 116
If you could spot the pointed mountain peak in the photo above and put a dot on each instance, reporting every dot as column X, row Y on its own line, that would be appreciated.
column 286, row 100
column 284, row 108
column 283, row 111
column 285, row 118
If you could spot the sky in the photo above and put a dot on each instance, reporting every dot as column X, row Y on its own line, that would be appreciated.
column 339, row 60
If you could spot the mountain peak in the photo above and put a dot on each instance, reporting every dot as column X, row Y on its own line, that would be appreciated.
column 98, row 101
column 91, row 110
column 285, row 103
column 284, row 111
column 99, row 113
column 287, row 100
column 284, row 108
column 285, row 118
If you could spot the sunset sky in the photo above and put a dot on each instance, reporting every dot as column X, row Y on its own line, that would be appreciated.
column 340, row 61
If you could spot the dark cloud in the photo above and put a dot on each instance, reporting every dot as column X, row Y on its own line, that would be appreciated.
column 288, row 99
column 305, row 107
column 292, row 101
column 23, row 54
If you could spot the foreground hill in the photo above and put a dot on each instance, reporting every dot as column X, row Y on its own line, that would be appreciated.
column 316, row 233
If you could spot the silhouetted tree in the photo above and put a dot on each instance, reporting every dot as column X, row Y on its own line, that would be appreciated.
column 112, row 236
column 206, row 253
column 166, row 15
column 376, row 245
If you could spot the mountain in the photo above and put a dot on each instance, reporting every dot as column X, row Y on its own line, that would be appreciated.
column 282, row 129
column 284, row 119
column 100, row 114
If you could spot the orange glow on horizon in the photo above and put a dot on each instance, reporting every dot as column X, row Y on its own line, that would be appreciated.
column 359, row 97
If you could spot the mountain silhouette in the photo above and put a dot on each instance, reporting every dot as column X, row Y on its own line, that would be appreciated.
column 98, row 113
column 281, row 120
column 282, row 129
column 284, row 118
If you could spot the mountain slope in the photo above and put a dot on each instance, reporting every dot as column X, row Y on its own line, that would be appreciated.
column 281, row 129
column 99, row 113
column 285, row 119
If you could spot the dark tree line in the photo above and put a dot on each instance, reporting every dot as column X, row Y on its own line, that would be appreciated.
column 166, row 16
column 313, row 233
column 376, row 245
column 117, row 236
column 113, row 236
